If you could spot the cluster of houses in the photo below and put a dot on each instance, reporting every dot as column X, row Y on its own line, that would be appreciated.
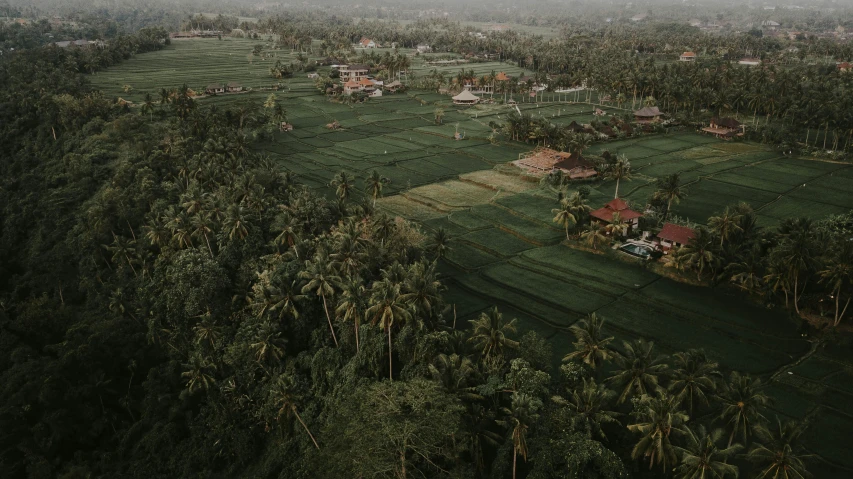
column 546, row 160
column 691, row 57
column 197, row 34
column 617, row 211
column 355, row 79
column 217, row 88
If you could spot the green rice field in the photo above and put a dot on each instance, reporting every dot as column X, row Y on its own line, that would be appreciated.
column 506, row 250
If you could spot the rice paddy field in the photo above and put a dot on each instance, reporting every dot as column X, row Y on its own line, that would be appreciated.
column 506, row 250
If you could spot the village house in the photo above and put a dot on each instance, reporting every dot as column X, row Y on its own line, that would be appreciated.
column 424, row 48
column 687, row 57
column 474, row 86
column 546, row 160
column 393, row 86
column 844, row 66
column 367, row 43
column 617, row 211
column 233, row 87
column 770, row 24
column 639, row 17
column 576, row 167
column 214, row 88
column 648, row 114
column 750, row 61
column 724, row 128
column 73, row 43
column 674, row 236
column 352, row 72
column 351, row 86
column 313, row 76
column 466, row 98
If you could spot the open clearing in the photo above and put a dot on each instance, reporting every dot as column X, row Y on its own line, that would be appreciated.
column 506, row 249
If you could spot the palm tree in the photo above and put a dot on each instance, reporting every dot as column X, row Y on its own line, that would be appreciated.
column 322, row 281
column 387, row 309
column 778, row 454
column 838, row 275
column 203, row 225
column 490, row 333
column 693, row 377
column 275, row 293
column 352, row 305
column 591, row 347
column 725, row 224
column 268, row 343
column 658, row 420
column 439, row 245
column 343, row 185
column 457, row 374
column 637, row 369
column 290, row 230
column 438, row 114
column 698, row 252
column 373, row 185
column 670, row 190
column 589, row 405
column 198, row 373
column 742, row 401
column 797, row 252
column 620, row 170
column 702, row 458
column 148, row 106
column 477, row 424
column 594, row 236
column 422, row 289
column 578, row 207
column 283, row 397
column 235, row 223
column 564, row 216
column 518, row 419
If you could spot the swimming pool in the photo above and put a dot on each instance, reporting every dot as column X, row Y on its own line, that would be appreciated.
column 639, row 251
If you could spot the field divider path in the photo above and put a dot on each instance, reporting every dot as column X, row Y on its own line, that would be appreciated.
column 507, row 300
column 561, row 278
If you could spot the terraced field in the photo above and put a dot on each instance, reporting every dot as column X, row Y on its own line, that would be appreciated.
column 506, row 250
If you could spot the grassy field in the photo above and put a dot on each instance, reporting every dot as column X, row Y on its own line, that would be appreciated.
column 507, row 252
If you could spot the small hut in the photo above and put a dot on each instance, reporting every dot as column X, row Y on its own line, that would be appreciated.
column 687, row 57
column 214, row 88
column 233, row 87
column 393, row 86
column 648, row 114
column 466, row 98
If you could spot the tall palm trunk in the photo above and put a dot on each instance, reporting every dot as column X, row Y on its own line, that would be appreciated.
column 514, row 460
column 616, row 195
column 356, row 335
column 390, row 363
column 298, row 418
column 329, row 318
column 208, row 245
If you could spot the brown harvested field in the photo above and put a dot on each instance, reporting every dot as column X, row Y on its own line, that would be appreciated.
column 499, row 181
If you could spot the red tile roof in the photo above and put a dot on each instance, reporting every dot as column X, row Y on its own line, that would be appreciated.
column 617, row 204
column 676, row 234
column 606, row 214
